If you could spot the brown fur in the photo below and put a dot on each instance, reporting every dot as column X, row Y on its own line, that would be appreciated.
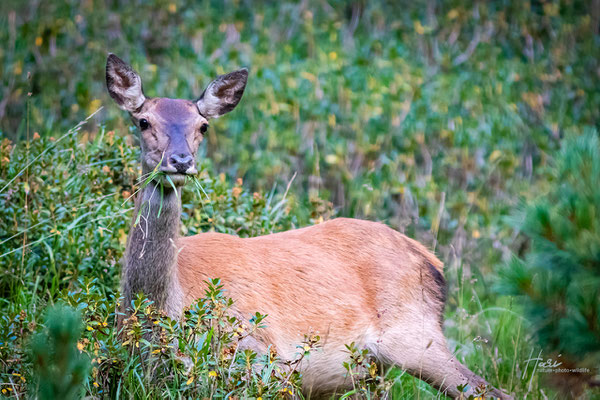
column 325, row 278
column 347, row 280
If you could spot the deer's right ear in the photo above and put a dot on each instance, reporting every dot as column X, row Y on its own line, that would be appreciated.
column 124, row 84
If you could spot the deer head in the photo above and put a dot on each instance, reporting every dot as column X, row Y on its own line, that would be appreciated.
column 171, row 129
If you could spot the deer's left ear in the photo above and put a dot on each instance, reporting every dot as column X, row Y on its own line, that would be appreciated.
column 124, row 84
column 223, row 94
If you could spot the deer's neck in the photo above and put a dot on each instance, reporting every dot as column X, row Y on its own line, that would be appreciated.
column 151, row 254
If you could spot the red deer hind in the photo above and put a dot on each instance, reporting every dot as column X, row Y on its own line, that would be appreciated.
column 347, row 279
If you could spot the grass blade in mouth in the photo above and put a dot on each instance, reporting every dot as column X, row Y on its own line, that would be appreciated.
column 168, row 177
column 199, row 186
column 139, row 216
column 162, row 195
column 153, row 174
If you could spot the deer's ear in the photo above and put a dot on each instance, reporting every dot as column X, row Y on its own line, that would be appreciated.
column 124, row 84
column 223, row 94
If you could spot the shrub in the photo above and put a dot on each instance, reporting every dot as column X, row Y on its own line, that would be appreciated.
column 153, row 356
column 558, row 279
column 60, row 369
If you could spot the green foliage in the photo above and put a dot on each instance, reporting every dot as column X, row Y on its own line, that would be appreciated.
column 66, row 215
column 435, row 117
column 210, row 338
column 195, row 357
column 151, row 356
column 60, row 370
column 67, row 205
column 558, row 279
column 367, row 381
column 381, row 107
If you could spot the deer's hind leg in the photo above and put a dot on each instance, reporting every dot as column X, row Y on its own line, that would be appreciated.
column 419, row 347
column 413, row 339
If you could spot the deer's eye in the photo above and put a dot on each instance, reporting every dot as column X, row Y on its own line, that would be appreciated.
column 203, row 128
column 144, row 124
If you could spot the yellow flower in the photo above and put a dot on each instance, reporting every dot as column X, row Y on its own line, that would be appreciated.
column 331, row 120
column 212, row 374
column 496, row 154
column 17, row 68
column 419, row 28
column 96, row 384
column 551, row 10
column 453, row 14
column 190, row 380
column 94, row 105
column 308, row 76
column 89, row 328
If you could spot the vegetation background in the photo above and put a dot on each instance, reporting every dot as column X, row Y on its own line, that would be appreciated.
column 470, row 126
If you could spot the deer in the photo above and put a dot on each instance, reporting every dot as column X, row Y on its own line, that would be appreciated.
column 350, row 280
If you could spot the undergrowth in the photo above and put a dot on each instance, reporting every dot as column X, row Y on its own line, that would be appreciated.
column 438, row 118
column 74, row 203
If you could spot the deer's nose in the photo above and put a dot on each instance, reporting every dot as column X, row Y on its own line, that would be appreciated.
column 181, row 162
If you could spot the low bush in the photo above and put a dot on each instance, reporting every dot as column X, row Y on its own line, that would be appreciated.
column 557, row 280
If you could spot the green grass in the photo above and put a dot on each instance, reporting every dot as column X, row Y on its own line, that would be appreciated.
column 440, row 121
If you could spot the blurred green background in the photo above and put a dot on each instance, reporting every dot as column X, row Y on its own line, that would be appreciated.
column 441, row 119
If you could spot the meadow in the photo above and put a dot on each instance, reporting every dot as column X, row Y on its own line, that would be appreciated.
column 469, row 126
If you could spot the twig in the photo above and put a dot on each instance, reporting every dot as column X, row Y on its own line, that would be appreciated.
column 477, row 38
column 289, row 184
column 436, row 225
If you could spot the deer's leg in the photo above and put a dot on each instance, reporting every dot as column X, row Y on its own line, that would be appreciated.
column 424, row 355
